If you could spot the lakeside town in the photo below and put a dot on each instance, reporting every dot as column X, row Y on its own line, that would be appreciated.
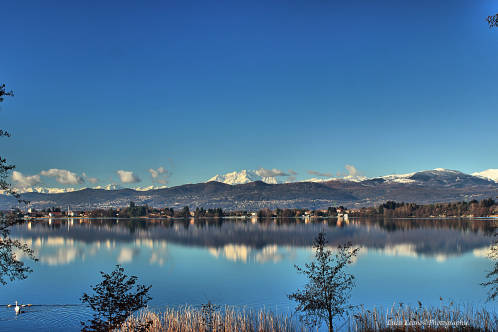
column 473, row 209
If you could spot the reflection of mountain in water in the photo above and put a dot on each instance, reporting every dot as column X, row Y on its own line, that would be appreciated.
column 61, row 241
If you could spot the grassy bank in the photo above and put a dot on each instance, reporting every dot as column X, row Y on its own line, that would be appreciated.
column 188, row 319
column 397, row 318
column 442, row 318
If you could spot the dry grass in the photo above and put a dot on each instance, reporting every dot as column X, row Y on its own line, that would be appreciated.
column 443, row 318
column 397, row 318
column 188, row 319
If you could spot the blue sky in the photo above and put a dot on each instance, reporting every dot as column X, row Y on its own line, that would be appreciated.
column 201, row 88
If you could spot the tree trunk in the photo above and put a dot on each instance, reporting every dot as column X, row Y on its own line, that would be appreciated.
column 331, row 327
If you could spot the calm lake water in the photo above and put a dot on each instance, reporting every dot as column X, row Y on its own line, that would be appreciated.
column 242, row 263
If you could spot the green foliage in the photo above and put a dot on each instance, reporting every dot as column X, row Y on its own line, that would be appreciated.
column 184, row 213
column 115, row 299
column 169, row 212
column 209, row 213
column 134, row 211
column 484, row 208
column 327, row 292
column 103, row 213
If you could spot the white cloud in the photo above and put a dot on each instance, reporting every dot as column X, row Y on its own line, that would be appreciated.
column 353, row 174
column 63, row 176
column 292, row 172
column 156, row 172
column 128, row 176
column 90, row 179
column 324, row 175
column 270, row 172
column 25, row 180
column 159, row 175
column 291, row 179
column 351, row 170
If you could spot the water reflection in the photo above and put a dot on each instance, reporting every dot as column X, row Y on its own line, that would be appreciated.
column 243, row 253
column 244, row 263
column 61, row 241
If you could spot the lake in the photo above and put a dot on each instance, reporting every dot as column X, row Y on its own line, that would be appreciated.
column 242, row 263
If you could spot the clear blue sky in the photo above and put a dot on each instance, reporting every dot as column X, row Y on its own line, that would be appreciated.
column 207, row 87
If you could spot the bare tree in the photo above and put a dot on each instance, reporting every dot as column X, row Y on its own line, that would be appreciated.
column 327, row 293
column 5, row 168
column 492, row 21
column 492, row 276
column 115, row 299
column 11, row 268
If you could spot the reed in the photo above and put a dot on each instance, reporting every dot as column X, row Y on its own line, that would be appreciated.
column 448, row 317
column 188, row 319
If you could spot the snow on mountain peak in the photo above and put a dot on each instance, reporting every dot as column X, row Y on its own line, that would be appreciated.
column 149, row 188
column 41, row 190
column 319, row 180
column 447, row 171
column 242, row 177
column 490, row 174
column 399, row 178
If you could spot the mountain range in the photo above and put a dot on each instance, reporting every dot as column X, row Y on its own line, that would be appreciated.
column 243, row 177
column 438, row 185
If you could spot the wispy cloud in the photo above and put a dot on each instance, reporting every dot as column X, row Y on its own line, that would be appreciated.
column 159, row 175
column 324, row 175
column 351, row 170
column 156, row 172
column 63, row 176
column 93, row 180
column 25, row 180
column 351, row 173
column 291, row 179
column 90, row 179
column 291, row 172
column 128, row 176
column 270, row 172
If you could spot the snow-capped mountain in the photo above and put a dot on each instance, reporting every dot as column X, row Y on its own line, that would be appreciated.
column 352, row 178
column 441, row 175
column 42, row 190
column 109, row 187
column 491, row 174
column 243, row 177
column 446, row 177
column 431, row 186
column 49, row 190
column 398, row 178
column 319, row 180
column 149, row 188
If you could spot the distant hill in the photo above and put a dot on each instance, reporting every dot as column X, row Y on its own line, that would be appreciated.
column 437, row 185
